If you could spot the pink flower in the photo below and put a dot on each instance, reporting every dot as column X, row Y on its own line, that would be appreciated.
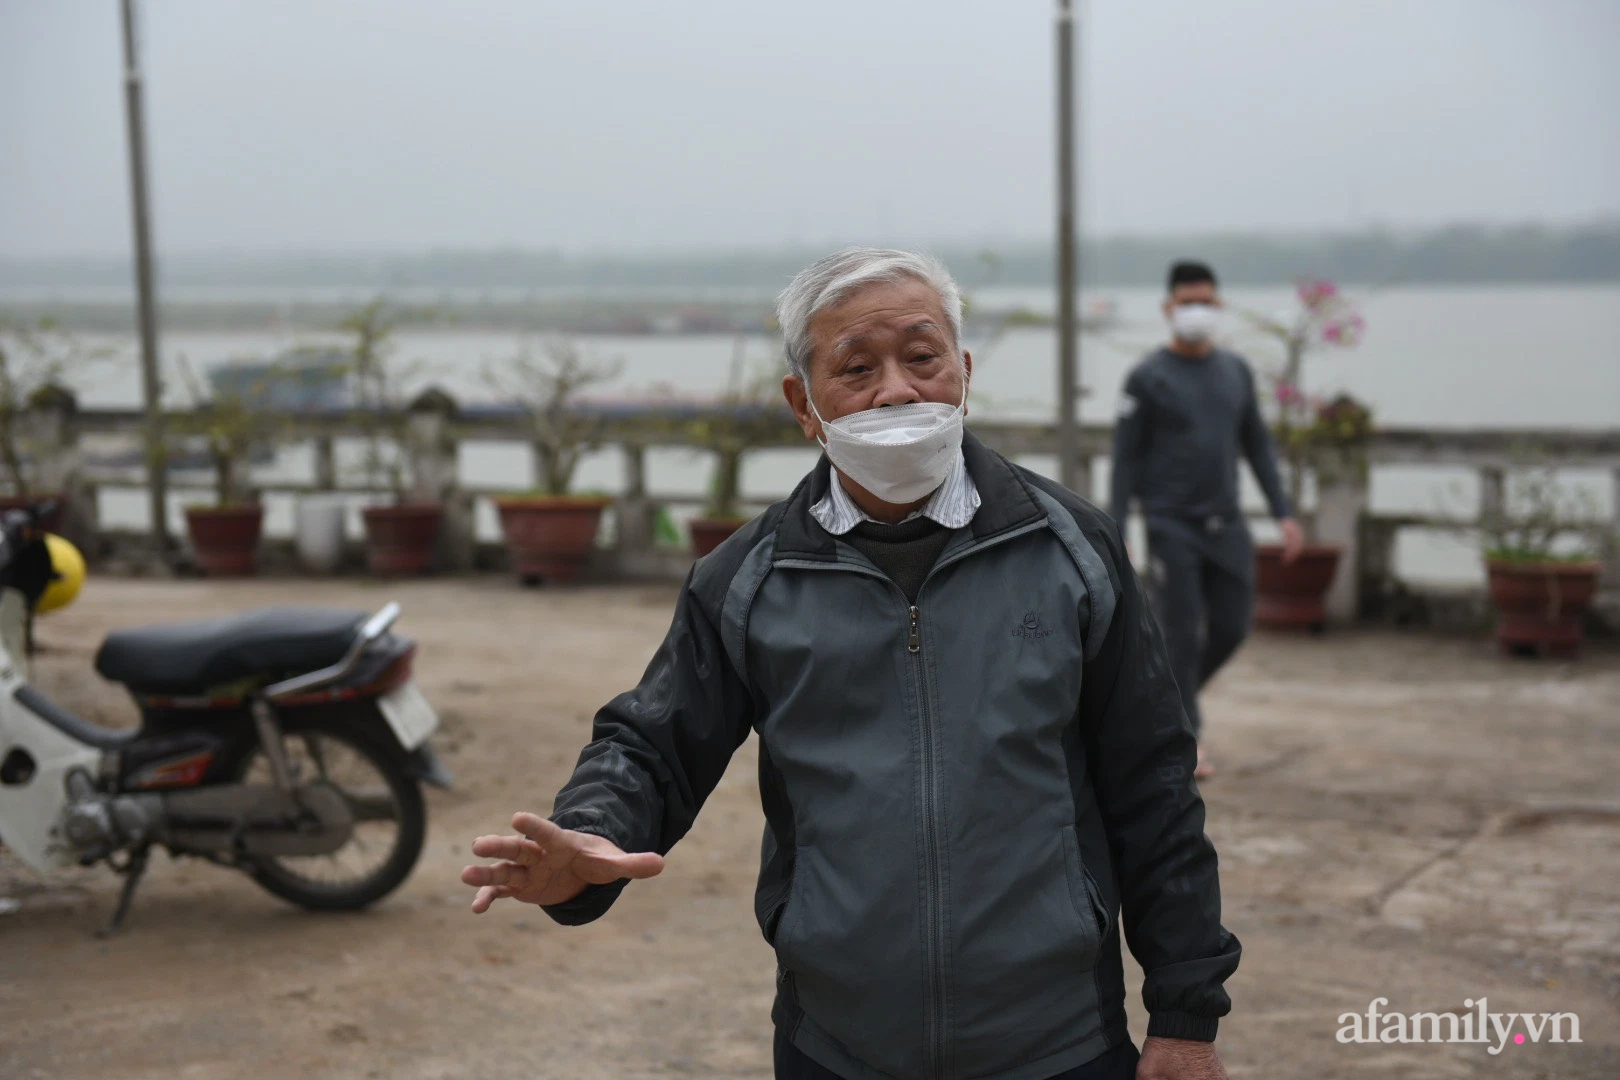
column 1288, row 393
column 1314, row 292
column 1345, row 330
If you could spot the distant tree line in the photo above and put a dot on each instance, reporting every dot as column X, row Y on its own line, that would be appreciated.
column 1456, row 254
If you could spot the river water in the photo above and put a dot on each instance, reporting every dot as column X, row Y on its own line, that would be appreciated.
column 1432, row 356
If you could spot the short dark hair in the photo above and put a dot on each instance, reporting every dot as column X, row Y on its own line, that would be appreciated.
column 1188, row 272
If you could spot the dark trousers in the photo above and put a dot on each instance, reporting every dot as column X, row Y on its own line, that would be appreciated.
column 1116, row 1064
column 1203, row 597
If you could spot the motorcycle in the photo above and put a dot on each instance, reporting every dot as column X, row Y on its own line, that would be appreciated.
column 287, row 743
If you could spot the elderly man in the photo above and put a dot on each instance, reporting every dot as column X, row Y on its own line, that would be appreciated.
column 973, row 758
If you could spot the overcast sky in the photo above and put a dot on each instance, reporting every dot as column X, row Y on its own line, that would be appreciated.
column 325, row 125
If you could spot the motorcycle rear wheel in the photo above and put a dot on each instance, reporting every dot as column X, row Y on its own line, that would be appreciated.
column 320, row 743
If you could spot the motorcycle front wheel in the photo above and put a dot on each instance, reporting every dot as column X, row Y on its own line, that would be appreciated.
column 390, row 816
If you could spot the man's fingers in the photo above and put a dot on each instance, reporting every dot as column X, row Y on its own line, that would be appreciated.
column 485, row 897
column 536, row 828
column 601, row 867
column 518, row 849
column 503, row 873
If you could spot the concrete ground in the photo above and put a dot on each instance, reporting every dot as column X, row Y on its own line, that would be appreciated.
column 1398, row 816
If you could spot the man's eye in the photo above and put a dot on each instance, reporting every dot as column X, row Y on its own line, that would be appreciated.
column 856, row 369
column 924, row 357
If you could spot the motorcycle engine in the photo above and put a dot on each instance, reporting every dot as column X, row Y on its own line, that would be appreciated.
column 97, row 824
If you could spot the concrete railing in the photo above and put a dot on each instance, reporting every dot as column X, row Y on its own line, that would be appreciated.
column 80, row 452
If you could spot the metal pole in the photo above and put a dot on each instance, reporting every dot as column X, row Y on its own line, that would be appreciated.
column 151, row 385
column 1068, row 431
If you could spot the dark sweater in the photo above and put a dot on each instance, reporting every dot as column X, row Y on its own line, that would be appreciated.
column 905, row 552
column 1184, row 422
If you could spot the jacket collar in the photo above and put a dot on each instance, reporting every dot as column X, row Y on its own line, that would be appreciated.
column 1005, row 502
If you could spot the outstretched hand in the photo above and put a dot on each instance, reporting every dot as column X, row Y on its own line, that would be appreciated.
column 549, row 864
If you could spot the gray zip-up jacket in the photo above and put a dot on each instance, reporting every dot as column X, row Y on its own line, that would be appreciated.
column 962, row 796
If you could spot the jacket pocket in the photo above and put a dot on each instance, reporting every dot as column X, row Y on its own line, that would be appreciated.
column 1083, row 891
column 776, row 912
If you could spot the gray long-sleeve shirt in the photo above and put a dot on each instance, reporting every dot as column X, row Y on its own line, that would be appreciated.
column 1182, row 422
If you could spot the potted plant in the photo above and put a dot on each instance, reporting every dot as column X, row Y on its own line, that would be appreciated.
column 231, row 423
column 1327, row 436
column 1542, row 564
column 747, row 414
column 549, row 533
column 402, row 535
column 33, row 364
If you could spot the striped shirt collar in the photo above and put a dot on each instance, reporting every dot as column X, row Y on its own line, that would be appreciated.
column 952, row 505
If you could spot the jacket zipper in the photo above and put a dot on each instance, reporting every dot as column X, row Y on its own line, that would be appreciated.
column 934, row 1014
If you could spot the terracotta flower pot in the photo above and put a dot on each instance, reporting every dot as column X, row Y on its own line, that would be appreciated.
column 550, row 537
column 1289, row 595
column 710, row 533
column 225, row 539
column 401, row 539
column 53, row 520
column 1540, row 605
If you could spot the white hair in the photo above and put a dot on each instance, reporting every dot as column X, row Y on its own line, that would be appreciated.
column 831, row 280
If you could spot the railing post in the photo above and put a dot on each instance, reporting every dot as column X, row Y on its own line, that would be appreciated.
column 53, row 442
column 1492, row 493
column 1375, row 572
column 635, row 512
column 1341, row 500
column 325, row 463
column 430, row 448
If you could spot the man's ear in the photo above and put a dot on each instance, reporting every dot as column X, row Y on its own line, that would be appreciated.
column 1167, row 307
column 793, row 390
column 967, row 380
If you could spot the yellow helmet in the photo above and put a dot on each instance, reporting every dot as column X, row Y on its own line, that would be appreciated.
column 67, row 574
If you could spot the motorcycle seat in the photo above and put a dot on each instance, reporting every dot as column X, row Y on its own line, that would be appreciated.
column 192, row 657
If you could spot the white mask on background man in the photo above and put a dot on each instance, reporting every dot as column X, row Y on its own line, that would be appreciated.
column 1195, row 323
column 900, row 453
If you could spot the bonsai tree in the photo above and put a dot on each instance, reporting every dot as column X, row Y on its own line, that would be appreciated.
column 231, row 423
column 748, row 414
column 1541, row 560
column 401, row 538
column 1544, row 521
column 34, row 361
column 378, row 380
column 547, row 387
column 1306, row 424
column 551, row 538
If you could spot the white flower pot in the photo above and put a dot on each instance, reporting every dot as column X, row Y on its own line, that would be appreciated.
column 320, row 532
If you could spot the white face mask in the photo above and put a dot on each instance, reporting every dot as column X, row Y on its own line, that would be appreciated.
column 1195, row 323
column 900, row 453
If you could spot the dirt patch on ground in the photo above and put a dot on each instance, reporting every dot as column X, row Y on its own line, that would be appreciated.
column 1398, row 816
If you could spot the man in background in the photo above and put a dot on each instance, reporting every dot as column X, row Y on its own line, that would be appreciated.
column 1187, row 412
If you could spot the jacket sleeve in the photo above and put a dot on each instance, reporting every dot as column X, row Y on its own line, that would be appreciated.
column 1258, row 449
column 1140, row 753
column 657, row 751
column 1130, row 435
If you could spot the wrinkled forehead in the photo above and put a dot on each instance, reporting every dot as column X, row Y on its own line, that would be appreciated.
column 877, row 314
